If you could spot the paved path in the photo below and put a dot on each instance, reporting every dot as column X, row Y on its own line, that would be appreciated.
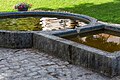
column 29, row 64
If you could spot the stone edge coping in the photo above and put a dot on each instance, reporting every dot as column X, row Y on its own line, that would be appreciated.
column 87, row 29
column 57, row 36
column 91, row 20
column 90, row 51
column 109, row 24
column 69, row 31
column 47, row 13
column 111, row 58
column 73, row 31
column 7, row 35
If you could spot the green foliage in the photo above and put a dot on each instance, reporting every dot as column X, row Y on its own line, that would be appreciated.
column 22, row 5
column 104, row 10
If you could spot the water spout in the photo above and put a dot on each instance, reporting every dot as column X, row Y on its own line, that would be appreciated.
column 78, row 32
column 77, row 29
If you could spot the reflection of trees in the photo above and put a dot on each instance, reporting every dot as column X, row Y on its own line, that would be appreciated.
column 101, row 42
column 28, row 23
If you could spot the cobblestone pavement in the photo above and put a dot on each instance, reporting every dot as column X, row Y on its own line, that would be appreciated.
column 29, row 64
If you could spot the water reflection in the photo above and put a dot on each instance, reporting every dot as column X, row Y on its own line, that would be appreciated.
column 37, row 24
column 22, row 24
column 101, row 41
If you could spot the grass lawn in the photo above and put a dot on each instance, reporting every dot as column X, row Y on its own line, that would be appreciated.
column 104, row 10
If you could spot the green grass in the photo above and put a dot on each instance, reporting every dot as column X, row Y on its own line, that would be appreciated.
column 104, row 10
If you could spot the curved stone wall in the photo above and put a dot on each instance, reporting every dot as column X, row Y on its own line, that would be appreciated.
column 23, row 39
column 84, row 18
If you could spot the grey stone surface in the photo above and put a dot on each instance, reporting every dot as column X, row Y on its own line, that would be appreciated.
column 21, row 39
column 31, row 67
column 98, row 60
column 78, row 54
column 73, row 16
column 9, row 39
column 51, row 46
column 90, row 59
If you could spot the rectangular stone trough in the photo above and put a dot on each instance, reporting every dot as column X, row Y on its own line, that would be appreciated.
column 94, row 59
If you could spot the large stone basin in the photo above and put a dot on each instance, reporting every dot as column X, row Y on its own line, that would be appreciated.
column 107, row 63
column 52, row 42
column 24, row 39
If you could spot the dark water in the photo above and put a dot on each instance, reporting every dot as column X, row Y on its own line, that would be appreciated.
column 104, row 41
column 20, row 24
column 33, row 24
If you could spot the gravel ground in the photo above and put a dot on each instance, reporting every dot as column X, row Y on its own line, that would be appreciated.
column 30, row 64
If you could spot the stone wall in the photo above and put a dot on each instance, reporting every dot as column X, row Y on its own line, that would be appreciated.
column 76, row 54
column 9, row 39
column 51, row 46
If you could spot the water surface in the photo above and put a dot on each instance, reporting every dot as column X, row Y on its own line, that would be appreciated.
column 20, row 24
column 37, row 24
column 103, row 41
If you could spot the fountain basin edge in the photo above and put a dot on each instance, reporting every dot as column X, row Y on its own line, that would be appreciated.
column 73, row 16
column 52, row 43
column 97, row 60
column 23, row 39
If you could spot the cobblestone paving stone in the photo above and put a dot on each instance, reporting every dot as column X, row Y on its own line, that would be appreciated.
column 30, row 64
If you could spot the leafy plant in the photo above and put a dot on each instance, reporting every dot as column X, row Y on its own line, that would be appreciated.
column 22, row 5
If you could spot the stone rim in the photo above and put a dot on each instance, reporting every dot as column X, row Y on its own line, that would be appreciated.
column 85, row 18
